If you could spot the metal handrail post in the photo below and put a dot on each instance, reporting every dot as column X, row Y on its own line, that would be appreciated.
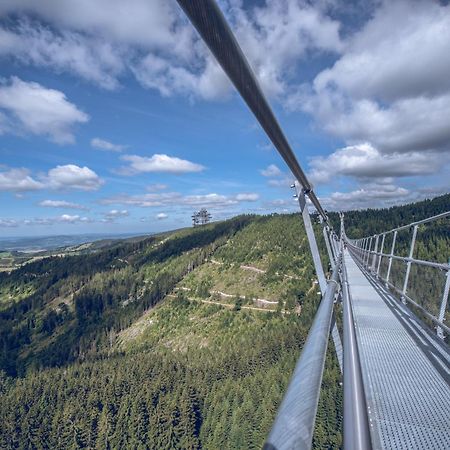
column 390, row 258
column 300, row 193
column 326, row 237
column 408, row 264
column 364, row 247
column 443, row 308
column 311, row 238
column 381, row 252
column 374, row 259
column 369, row 249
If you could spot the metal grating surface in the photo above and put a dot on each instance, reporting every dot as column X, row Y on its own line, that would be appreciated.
column 408, row 398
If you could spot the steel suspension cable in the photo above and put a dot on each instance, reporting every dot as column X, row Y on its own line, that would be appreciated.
column 215, row 31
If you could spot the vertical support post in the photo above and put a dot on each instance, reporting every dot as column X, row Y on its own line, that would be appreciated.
column 369, row 248
column 381, row 257
column 337, row 343
column 318, row 264
column 408, row 264
column 390, row 258
column 443, row 308
column 363, row 249
column 326, row 238
column 312, row 240
column 375, row 256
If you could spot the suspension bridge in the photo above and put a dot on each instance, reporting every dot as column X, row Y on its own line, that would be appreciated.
column 393, row 349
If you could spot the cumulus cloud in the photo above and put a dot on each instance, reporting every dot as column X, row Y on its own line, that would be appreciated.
column 91, row 58
column 71, row 176
column 18, row 180
column 46, row 221
column 106, row 145
column 61, row 204
column 32, row 108
column 375, row 195
column 156, row 187
column 68, row 218
column 212, row 200
column 390, row 87
column 100, row 40
column 8, row 223
column 247, row 197
column 138, row 22
column 278, row 178
column 117, row 213
column 379, row 194
column 271, row 171
column 159, row 163
column 364, row 161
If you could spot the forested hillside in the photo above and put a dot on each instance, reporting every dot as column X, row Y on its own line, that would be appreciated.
column 132, row 346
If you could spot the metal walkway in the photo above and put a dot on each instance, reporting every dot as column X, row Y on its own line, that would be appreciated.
column 406, row 371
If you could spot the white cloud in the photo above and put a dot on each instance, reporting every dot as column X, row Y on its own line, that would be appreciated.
column 138, row 22
column 374, row 195
column 145, row 200
column 68, row 218
column 415, row 124
column 47, row 221
column 379, row 194
column 156, row 187
column 160, row 163
column 401, row 53
column 106, row 145
column 279, row 34
column 364, row 161
column 391, row 87
column 71, row 176
column 61, row 204
column 33, row 108
column 117, row 213
column 8, row 223
column 271, row 171
column 212, row 200
column 18, row 180
column 91, row 58
column 161, row 216
column 100, row 40
column 247, row 197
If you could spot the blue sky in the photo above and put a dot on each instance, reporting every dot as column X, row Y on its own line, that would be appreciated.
column 117, row 119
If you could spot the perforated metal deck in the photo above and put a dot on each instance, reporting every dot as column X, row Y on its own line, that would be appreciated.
column 406, row 372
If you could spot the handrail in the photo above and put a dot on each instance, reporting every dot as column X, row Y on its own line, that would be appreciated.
column 367, row 250
column 212, row 26
column 420, row 222
column 356, row 423
column 420, row 262
column 294, row 425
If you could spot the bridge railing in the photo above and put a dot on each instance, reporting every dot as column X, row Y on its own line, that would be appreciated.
column 396, row 258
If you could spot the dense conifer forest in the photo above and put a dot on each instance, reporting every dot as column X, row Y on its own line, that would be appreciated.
column 182, row 340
